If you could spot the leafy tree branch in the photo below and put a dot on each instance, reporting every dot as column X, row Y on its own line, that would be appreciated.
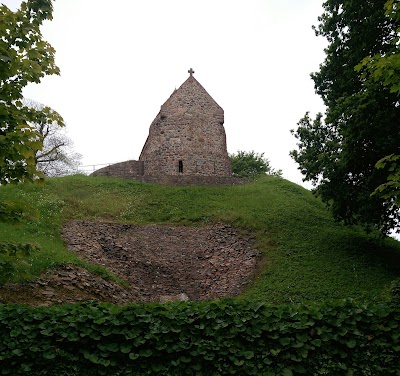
column 24, row 58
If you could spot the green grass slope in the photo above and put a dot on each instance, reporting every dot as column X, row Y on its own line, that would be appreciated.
column 306, row 256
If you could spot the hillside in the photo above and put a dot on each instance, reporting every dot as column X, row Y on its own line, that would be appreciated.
column 305, row 255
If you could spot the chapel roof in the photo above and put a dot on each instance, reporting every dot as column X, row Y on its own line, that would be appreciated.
column 191, row 94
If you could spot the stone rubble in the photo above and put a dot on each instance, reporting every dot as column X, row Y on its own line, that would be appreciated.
column 67, row 284
column 162, row 260
column 160, row 263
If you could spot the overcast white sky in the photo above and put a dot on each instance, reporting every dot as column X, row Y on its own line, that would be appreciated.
column 120, row 60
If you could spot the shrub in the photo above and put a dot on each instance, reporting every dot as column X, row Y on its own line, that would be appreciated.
column 213, row 338
column 251, row 164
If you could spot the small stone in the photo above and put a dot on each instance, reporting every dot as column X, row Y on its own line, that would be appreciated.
column 48, row 292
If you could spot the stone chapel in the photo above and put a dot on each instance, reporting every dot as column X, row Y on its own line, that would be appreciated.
column 186, row 140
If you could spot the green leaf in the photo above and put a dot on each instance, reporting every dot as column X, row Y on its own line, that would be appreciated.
column 185, row 359
column 133, row 356
column 248, row 354
column 316, row 342
column 157, row 367
column 17, row 352
column 238, row 362
column 49, row 355
column 93, row 358
column 351, row 343
column 125, row 348
column 284, row 341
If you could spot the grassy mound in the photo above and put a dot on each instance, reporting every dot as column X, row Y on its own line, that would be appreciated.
column 306, row 255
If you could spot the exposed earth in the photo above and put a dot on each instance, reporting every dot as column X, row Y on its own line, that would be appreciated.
column 159, row 263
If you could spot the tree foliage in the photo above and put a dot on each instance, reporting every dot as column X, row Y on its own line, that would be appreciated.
column 24, row 58
column 390, row 190
column 251, row 164
column 338, row 152
column 57, row 157
column 386, row 69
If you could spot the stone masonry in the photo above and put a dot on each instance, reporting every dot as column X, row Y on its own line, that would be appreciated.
column 187, row 137
column 186, row 140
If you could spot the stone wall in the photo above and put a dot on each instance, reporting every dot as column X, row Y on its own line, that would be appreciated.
column 187, row 137
column 133, row 169
column 182, row 180
column 127, row 170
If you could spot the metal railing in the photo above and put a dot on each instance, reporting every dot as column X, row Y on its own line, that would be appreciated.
column 88, row 169
column 85, row 169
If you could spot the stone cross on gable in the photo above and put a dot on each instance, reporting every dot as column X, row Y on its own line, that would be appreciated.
column 191, row 71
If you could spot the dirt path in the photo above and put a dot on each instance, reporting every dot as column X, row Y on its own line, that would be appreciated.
column 160, row 263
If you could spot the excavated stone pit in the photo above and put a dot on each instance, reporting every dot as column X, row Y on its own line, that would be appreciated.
column 159, row 262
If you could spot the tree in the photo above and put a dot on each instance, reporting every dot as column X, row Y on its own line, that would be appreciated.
column 24, row 57
column 338, row 152
column 57, row 157
column 251, row 164
column 386, row 69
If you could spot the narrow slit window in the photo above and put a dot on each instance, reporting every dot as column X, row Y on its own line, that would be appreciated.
column 180, row 167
